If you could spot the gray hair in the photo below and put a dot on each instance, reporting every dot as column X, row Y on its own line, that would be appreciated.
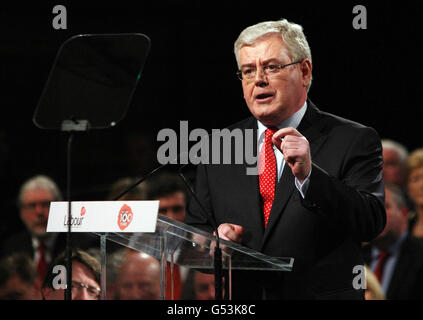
column 397, row 195
column 400, row 149
column 291, row 33
column 40, row 182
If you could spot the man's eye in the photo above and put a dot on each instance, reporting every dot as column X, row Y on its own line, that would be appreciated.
column 248, row 71
column 272, row 67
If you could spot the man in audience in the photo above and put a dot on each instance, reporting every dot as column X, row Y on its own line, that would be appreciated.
column 395, row 256
column 199, row 286
column 34, row 200
column 138, row 277
column 18, row 278
column 171, row 192
column 122, row 185
column 204, row 286
column 394, row 162
column 85, row 278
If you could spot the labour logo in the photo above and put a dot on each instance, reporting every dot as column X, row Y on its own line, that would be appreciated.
column 83, row 211
column 125, row 217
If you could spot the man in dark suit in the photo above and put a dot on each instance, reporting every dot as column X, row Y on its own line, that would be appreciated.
column 34, row 200
column 319, row 191
column 395, row 256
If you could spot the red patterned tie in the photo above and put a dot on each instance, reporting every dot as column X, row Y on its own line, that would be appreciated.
column 383, row 256
column 42, row 264
column 267, row 174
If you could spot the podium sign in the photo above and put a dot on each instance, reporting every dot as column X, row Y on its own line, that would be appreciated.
column 104, row 216
column 126, row 228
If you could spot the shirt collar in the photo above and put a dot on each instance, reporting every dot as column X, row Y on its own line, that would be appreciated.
column 293, row 121
column 49, row 242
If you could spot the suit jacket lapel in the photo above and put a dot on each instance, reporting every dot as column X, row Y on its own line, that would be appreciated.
column 283, row 192
column 402, row 266
column 310, row 127
column 250, row 185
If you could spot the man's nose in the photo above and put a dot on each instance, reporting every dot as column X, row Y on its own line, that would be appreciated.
column 41, row 210
column 260, row 79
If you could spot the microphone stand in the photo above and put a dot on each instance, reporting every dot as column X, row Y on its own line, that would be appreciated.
column 139, row 182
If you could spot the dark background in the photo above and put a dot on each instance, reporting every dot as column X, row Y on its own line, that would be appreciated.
column 370, row 76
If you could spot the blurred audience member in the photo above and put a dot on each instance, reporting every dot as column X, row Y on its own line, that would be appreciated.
column 137, row 193
column 394, row 162
column 18, row 278
column 138, row 277
column 199, row 286
column 85, row 278
column 395, row 256
column 34, row 200
column 373, row 288
column 204, row 286
column 171, row 192
column 415, row 191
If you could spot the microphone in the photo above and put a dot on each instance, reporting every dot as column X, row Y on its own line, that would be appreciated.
column 218, row 269
column 148, row 175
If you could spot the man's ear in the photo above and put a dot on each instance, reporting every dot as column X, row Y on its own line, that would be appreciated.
column 306, row 68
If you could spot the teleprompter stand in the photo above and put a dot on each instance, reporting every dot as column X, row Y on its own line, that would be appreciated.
column 70, row 126
column 90, row 86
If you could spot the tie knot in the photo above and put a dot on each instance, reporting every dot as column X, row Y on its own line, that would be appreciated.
column 41, row 247
column 269, row 133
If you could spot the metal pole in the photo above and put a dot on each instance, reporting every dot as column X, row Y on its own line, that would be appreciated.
column 68, row 251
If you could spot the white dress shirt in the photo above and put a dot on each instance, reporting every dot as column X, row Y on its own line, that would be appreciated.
column 293, row 121
column 49, row 244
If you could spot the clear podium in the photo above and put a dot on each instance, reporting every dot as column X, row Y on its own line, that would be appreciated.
column 174, row 247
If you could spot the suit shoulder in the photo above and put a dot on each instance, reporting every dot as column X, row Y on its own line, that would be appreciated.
column 333, row 121
column 249, row 122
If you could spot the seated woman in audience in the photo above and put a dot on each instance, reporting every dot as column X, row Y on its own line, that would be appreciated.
column 415, row 191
